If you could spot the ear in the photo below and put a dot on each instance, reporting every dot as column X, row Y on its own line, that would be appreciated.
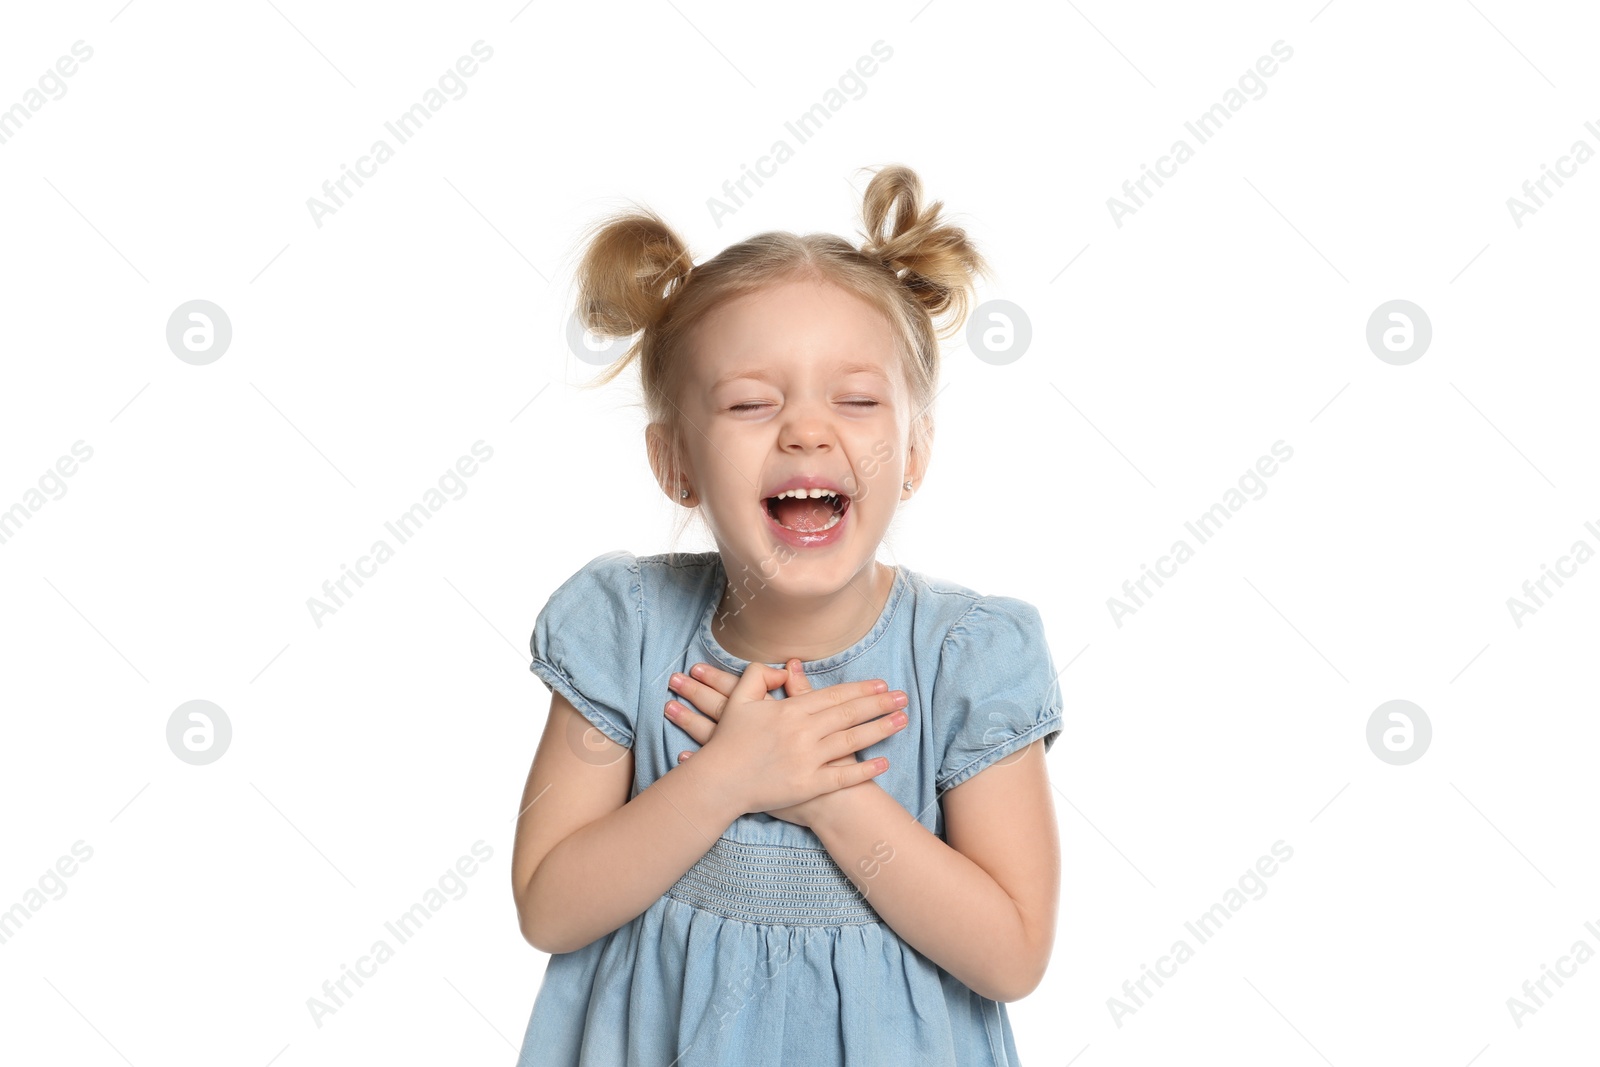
column 917, row 455
column 670, row 474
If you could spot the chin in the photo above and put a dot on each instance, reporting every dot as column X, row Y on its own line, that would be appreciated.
column 812, row 571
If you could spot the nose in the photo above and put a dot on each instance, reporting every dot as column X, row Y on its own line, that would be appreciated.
column 806, row 428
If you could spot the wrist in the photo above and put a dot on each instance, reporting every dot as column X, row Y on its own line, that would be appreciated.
column 712, row 787
column 824, row 812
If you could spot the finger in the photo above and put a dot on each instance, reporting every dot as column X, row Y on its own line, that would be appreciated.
column 833, row 696
column 844, row 777
column 865, row 769
column 702, row 696
column 798, row 684
column 752, row 685
column 689, row 721
column 723, row 682
column 855, row 738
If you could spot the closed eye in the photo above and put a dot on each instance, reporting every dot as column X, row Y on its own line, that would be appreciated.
column 752, row 405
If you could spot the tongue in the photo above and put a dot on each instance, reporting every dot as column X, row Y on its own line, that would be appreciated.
column 808, row 514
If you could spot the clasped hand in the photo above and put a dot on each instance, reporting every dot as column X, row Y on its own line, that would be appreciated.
column 785, row 757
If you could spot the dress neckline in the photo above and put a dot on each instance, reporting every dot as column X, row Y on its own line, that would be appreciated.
column 733, row 663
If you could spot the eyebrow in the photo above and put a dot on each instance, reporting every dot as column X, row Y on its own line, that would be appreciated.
column 760, row 374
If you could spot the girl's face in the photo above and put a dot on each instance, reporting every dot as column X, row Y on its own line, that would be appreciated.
column 797, row 386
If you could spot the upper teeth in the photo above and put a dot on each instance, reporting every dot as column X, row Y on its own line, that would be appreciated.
column 801, row 494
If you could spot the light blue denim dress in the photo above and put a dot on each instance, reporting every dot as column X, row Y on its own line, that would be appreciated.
column 764, row 952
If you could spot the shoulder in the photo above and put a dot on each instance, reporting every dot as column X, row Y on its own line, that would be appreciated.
column 609, row 585
column 619, row 581
column 678, row 583
column 663, row 567
column 603, row 595
column 994, row 687
column 676, row 568
column 982, row 642
column 588, row 642
column 995, row 621
column 612, row 568
column 966, row 618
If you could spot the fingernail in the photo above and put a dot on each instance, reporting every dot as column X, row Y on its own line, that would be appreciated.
column 898, row 700
column 672, row 711
column 675, row 681
column 899, row 718
column 697, row 670
column 880, row 687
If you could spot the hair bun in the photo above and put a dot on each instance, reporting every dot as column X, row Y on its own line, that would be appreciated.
column 633, row 265
column 935, row 261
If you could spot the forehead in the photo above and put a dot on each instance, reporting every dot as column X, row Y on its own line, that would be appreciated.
column 794, row 327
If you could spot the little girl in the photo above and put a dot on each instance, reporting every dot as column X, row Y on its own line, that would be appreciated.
column 848, row 859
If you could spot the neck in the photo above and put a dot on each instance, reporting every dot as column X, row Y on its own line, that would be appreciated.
column 769, row 627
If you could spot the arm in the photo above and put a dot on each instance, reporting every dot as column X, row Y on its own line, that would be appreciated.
column 983, row 907
column 586, row 858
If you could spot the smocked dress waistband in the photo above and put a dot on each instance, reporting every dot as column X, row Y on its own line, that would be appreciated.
column 776, row 884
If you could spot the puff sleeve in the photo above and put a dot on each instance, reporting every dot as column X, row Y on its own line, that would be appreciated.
column 995, row 689
column 588, row 643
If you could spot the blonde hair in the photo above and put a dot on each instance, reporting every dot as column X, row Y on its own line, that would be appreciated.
column 637, row 277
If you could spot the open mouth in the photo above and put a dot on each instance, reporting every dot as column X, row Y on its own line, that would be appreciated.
column 807, row 511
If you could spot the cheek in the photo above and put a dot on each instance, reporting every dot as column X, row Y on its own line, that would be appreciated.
column 728, row 469
column 877, row 461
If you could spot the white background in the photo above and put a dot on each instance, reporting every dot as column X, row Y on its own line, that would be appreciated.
column 428, row 313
